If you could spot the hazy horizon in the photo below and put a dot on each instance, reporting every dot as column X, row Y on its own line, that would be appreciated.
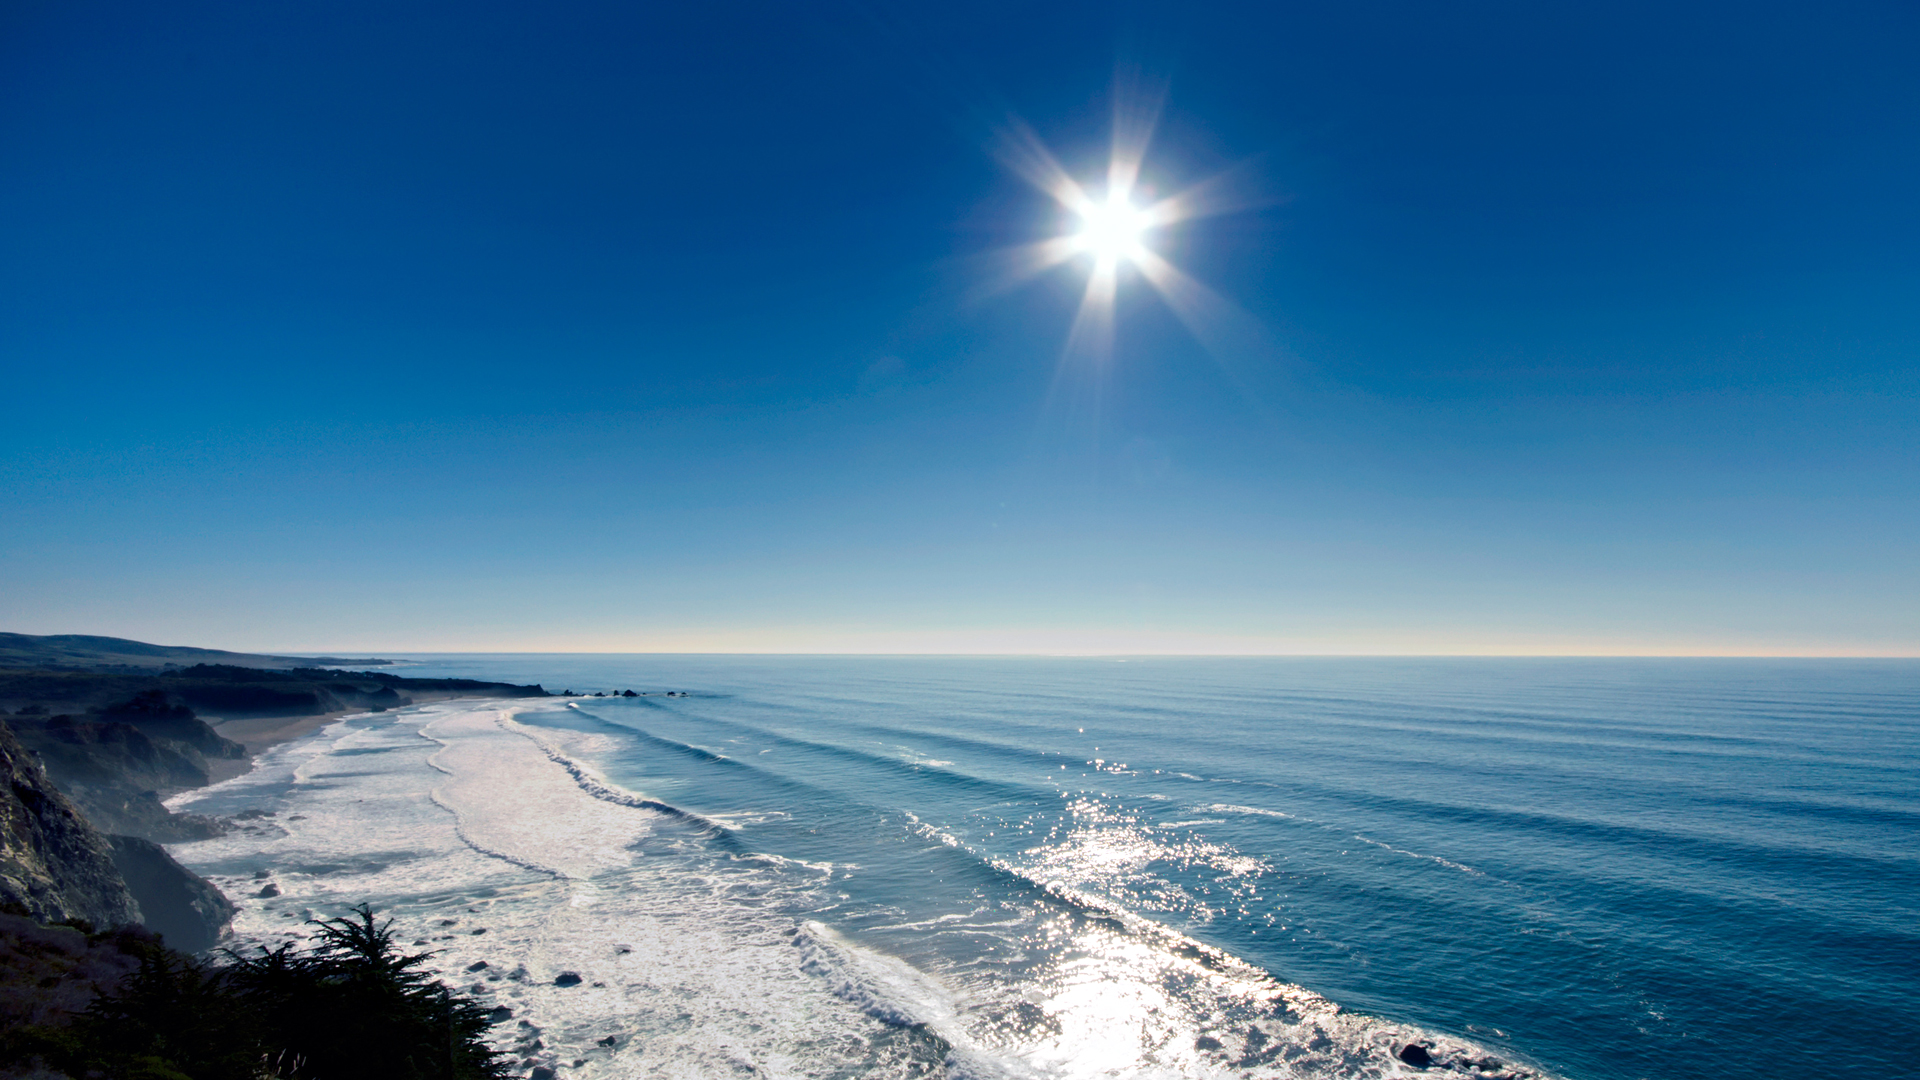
column 1029, row 645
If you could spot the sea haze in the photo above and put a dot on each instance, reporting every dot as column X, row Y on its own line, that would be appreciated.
column 846, row 866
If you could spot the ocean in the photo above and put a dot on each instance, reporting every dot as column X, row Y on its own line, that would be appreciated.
column 1157, row 867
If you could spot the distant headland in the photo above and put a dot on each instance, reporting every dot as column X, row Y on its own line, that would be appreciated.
column 93, row 653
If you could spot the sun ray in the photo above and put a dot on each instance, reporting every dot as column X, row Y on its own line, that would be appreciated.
column 1230, row 192
column 1091, row 337
column 1008, row 269
column 1231, row 335
column 1201, row 309
column 1020, row 150
column 1137, row 104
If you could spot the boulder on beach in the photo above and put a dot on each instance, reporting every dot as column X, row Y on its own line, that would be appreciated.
column 568, row 978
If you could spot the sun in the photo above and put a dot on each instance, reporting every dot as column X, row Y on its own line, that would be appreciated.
column 1112, row 231
column 1112, row 238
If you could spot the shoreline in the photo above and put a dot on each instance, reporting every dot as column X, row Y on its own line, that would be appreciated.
column 597, row 929
column 259, row 734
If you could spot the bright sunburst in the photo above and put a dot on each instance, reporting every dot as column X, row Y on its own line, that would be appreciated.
column 1117, row 229
column 1112, row 230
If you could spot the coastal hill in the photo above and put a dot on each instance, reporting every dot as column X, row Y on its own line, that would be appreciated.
column 88, row 652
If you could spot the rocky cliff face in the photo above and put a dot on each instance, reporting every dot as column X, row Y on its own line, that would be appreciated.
column 115, row 762
column 114, row 772
column 57, row 866
column 53, row 862
column 176, row 903
column 50, row 974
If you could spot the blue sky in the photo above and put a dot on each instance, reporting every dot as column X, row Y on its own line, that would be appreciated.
column 436, row 326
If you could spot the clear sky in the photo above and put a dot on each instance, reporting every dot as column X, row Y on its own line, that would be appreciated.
column 1540, row 328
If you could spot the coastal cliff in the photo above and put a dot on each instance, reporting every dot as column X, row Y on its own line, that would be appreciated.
column 91, row 652
column 116, row 762
column 118, row 741
column 90, row 752
column 57, row 867
column 53, row 863
column 181, row 906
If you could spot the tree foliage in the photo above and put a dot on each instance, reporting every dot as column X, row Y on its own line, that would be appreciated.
column 350, row 1005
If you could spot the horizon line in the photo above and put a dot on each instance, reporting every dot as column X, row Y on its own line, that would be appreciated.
column 1069, row 654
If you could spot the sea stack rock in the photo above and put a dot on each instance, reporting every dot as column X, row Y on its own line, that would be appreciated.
column 1416, row 1055
column 52, row 862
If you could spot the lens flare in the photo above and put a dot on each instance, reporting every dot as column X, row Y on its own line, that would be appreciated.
column 1112, row 231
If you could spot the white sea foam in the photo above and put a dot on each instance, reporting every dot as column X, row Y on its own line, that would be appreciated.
column 450, row 821
column 1250, row 811
column 489, row 841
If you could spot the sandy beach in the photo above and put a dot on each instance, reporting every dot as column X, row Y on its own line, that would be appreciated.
column 262, row 733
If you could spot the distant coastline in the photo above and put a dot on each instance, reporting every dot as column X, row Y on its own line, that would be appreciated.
column 95, row 653
column 101, row 731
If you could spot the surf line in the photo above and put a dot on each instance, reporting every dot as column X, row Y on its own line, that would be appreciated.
column 601, row 790
column 460, row 827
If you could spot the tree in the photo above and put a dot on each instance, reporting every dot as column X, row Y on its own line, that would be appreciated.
column 351, row 1005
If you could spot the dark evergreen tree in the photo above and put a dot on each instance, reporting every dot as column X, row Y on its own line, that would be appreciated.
column 351, row 1005
column 173, row 1018
column 385, row 1017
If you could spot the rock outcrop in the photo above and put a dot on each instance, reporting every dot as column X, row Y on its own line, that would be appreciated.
column 53, row 863
column 114, row 763
column 56, row 866
column 182, row 907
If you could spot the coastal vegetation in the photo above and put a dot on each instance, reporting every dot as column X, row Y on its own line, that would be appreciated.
column 350, row 1003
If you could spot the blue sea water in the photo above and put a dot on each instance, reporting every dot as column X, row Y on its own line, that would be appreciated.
column 1593, row 869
